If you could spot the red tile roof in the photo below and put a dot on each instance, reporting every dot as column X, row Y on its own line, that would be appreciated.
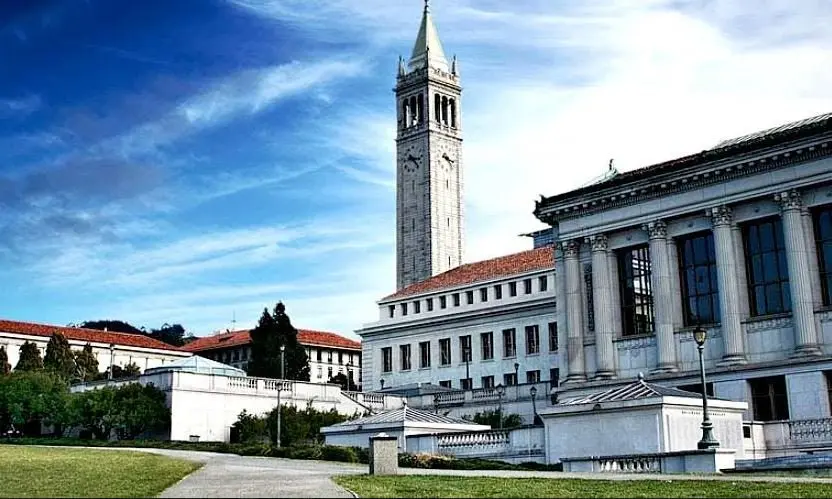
column 518, row 263
column 85, row 335
column 235, row 338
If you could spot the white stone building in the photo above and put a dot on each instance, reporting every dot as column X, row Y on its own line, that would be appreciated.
column 329, row 354
column 737, row 238
column 108, row 347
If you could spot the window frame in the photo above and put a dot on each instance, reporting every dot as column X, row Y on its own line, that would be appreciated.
column 534, row 331
column 628, row 281
column 487, row 353
column 509, row 333
column 424, row 360
column 442, row 352
column 820, row 215
column 405, row 361
column 780, row 285
column 462, row 355
column 386, row 360
column 687, row 245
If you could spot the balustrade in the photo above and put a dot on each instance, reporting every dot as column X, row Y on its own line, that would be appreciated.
column 629, row 465
column 811, row 430
column 475, row 439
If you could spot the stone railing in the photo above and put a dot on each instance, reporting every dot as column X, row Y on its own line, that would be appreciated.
column 451, row 398
column 635, row 464
column 378, row 401
column 811, row 430
column 485, row 394
column 499, row 438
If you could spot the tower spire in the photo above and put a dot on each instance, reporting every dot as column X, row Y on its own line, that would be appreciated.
column 428, row 52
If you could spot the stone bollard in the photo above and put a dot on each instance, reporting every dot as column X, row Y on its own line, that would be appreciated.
column 384, row 455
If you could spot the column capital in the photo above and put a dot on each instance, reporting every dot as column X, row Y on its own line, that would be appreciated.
column 570, row 248
column 656, row 229
column 789, row 200
column 599, row 242
column 721, row 216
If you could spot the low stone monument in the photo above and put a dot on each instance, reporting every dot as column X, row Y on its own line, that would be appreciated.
column 384, row 454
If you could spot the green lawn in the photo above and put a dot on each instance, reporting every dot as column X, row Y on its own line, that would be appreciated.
column 47, row 472
column 455, row 486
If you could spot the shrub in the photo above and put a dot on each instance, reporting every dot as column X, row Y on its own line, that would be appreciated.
column 492, row 419
column 254, row 450
column 308, row 452
column 342, row 454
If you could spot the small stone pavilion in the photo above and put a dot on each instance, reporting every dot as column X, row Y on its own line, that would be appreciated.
column 641, row 427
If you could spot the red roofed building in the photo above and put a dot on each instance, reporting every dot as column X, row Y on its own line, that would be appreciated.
column 329, row 353
column 109, row 347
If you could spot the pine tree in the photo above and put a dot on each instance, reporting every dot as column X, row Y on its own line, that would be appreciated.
column 5, row 367
column 86, row 365
column 59, row 357
column 272, row 331
column 29, row 358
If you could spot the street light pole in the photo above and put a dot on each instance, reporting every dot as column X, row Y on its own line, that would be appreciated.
column 467, row 354
column 708, row 441
column 279, row 389
column 517, row 380
column 501, row 390
column 112, row 355
column 533, row 393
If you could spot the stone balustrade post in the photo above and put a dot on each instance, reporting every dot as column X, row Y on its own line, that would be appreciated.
column 729, row 296
column 800, row 280
column 662, row 297
column 602, row 302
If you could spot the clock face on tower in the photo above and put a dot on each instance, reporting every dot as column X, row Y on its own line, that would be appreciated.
column 411, row 158
column 446, row 156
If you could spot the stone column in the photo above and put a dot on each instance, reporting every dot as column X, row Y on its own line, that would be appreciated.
column 602, row 303
column 800, row 280
column 675, row 284
column 742, row 273
column 574, row 312
column 812, row 250
column 662, row 297
column 560, row 312
column 729, row 296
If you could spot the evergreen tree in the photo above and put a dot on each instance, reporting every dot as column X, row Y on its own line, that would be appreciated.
column 5, row 367
column 29, row 358
column 59, row 357
column 86, row 365
column 272, row 332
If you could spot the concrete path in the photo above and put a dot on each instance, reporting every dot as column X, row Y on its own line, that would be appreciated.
column 229, row 475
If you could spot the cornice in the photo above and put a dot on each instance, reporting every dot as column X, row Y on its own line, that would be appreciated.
column 688, row 179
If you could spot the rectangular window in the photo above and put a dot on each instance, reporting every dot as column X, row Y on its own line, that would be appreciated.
column 554, row 377
column 386, row 360
column 509, row 343
column 543, row 283
column 329, row 356
column 636, row 291
column 553, row 336
column 404, row 308
column 483, row 294
column 417, row 307
column 443, row 302
column 509, row 379
column 828, row 377
column 456, row 299
column 512, row 289
column 424, row 354
column 391, row 309
column 487, row 381
column 469, row 297
column 320, row 372
column 487, row 343
column 769, row 399
column 533, row 376
column 445, row 351
column 466, row 384
column 498, row 292
column 445, row 383
column 823, row 239
column 341, row 358
column 404, row 353
column 320, row 354
column 532, row 340
column 429, row 303
column 527, row 286
column 700, row 289
column 768, row 276
column 329, row 371
column 465, row 348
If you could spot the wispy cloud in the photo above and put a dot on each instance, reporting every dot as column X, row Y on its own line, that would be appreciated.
column 20, row 107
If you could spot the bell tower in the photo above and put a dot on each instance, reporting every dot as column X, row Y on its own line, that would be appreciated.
column 429, row 180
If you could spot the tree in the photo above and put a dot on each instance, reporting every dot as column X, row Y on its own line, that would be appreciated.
column 95, row 411
column 86, row 365
column 140, row 408
column 59, row 357
column 272, row 331
column 31, row 398
column 112, row 325
column 345, row 383
column 492, row 418
column 29, row 358
column 170, row 334
column 129, row 371
column 5, row 367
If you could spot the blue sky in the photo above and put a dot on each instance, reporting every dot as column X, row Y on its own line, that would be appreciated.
column 193, row 161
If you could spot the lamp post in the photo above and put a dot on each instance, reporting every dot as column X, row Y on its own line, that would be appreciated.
column 533, row 393
column 382, row 383
column 279, row 389
column 349, row 376
column 501, row 390
column 436, row 403
column 708, row 441
column 517, row 380
column 112, row 356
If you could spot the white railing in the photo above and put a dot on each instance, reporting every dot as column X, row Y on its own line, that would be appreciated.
column 811, row 430
column 485, row 394
column 245, row 383
column 451, row 398
column 498, row 438
column 375, row 400
column 635, row 464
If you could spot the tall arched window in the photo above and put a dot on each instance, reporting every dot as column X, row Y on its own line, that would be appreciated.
column 438, row 108
column 420, row 109
column 413, row 111
column 406, row 113
column 453, row 112
column 444, row 110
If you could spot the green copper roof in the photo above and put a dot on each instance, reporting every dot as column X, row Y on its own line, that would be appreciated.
column 428, row 47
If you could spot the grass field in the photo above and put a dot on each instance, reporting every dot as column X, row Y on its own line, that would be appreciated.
column 454, row 486
column 48, row 472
